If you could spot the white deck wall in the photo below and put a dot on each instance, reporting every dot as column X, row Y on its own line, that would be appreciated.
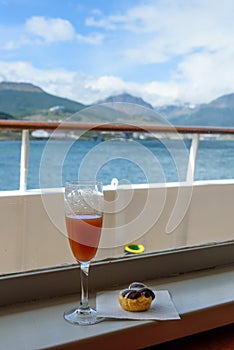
column 30, row 240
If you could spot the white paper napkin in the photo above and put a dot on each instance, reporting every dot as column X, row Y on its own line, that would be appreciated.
column 162, row 307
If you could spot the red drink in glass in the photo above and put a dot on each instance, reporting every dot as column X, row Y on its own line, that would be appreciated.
column 84, row 233
column 84, row 202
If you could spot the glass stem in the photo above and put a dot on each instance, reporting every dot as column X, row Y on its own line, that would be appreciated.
column 84, row 279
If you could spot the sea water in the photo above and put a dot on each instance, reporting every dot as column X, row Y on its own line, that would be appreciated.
column 53, row 162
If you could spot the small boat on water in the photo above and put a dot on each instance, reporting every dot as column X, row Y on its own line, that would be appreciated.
column 40, row 134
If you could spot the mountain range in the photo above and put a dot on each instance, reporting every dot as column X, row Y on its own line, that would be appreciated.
column 29, row 102
column 24, row 100
column 219, row 112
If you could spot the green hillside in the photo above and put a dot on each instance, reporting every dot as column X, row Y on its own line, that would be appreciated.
column 29, row 100
column 5, row 116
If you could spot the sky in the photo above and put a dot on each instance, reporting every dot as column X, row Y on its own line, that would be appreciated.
column 165, row 51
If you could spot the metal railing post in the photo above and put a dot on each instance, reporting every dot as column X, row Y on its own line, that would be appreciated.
column 192, row 158
column 24, row 160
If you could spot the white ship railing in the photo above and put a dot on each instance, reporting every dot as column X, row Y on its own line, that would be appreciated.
column 26, row 126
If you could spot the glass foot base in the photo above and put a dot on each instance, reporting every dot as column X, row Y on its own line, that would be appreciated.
column 82, row 317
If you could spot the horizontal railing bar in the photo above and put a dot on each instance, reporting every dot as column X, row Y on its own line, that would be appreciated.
column 34, row 125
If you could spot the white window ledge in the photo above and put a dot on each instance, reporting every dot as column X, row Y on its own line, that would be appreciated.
column 204, row 300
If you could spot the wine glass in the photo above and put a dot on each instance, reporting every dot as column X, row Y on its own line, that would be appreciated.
column 84, row 215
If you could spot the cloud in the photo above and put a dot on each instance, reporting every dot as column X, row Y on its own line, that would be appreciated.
column 71, row 84
column 161, row 30
column 52, row 80
column 50, row 29
column 39, row 30
column 204, row 76
column 129, row 51
column 93, row 38
column 201, row 78
column 100, row 21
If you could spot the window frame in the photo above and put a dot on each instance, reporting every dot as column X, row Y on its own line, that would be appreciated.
column 60, row 281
